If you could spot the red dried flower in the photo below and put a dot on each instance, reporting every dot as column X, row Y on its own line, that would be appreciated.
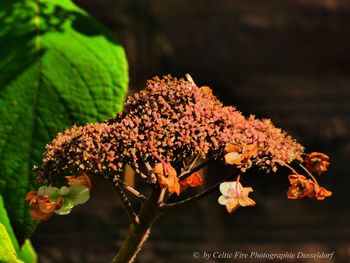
column 40, row 206
column 305, row 188
column 167, row 177
column 317, row 162
column 193, row 180
column 300, row 187
column 322, row 193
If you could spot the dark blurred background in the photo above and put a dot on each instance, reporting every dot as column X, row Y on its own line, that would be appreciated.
column 285, row 60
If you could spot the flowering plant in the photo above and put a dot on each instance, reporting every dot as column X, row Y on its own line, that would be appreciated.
column 166, row 134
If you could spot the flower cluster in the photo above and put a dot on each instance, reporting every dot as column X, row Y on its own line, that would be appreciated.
column 166, row 126
column 172, row 119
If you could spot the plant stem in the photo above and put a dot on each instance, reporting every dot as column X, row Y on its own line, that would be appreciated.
column 138, row 234
column 125, row 201
column 132, row 191
column 308, row 172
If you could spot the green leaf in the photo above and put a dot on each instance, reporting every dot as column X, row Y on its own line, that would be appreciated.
column 4, row 220
column 7, row 251
column 64, row 190
column 57, row 67
column 52, row 192
column 79, row 194
column 66, row 208
column 25, row 253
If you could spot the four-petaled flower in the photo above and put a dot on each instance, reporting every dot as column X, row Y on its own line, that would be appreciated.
column 317, row 162
column 41, row 208
column 235, row 195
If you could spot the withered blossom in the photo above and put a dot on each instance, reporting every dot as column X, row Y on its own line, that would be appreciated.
column 41, row 208
column 301, row 187
column 193, row 180
column 167, row 177
column 240, row 156
column 317, row 162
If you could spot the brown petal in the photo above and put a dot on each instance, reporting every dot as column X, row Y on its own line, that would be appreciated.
column 317, row 162
column 232, row 205
column 232, row 148
column 30, row 196
column 206, row 90
column 245, row 191
column 233, row 158
column 322, row 193
column 167, row 177
column 41, row 208
column 193, row 180
column 246, row 201
column 82, row 179
column 250, row 151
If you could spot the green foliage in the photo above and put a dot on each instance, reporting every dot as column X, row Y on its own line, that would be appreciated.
column 57, row 67
column 7, row 251
column 10, row 250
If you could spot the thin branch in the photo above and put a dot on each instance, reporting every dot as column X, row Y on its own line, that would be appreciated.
column 192, row 162
column 132, row 191
column 308, row 172
column 291, row 168
column 168, row 207
column 138, row 171
column 125, row 201
column 151, row 177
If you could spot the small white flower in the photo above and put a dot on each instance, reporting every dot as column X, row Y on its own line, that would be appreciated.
column 235, row 195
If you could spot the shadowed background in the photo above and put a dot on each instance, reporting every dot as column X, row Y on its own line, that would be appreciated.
column 285, row 60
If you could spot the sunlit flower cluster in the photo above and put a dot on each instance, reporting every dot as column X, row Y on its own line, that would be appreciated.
column 172, row 119
column 162, row 128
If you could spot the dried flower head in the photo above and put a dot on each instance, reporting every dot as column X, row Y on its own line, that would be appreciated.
column 170, row 120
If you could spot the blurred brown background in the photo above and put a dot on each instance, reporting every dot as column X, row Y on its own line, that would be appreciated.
column 286, row 60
